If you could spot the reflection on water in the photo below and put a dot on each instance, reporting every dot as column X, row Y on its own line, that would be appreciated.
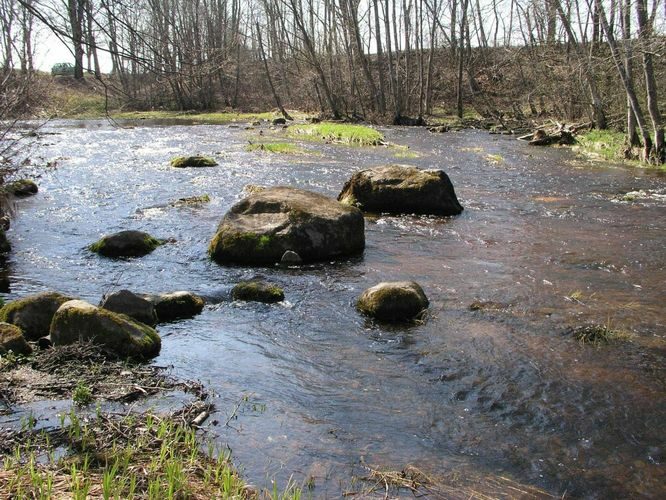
column 496, row 391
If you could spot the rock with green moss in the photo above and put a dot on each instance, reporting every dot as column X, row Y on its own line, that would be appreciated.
column 257, row 291
column 11, row 339
column 79, row 321
column 175, row 305
column 393, row 301
column 193, row 161
column 126, row 244
column 22, row 188
column 262, row 227
column 132, row 305
column 401, row 189
column 33, row 314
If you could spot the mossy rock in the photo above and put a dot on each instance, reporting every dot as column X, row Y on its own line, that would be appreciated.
column 257, row 291
column 11, row 339
column 33, row 314
column 126, row 244
column 22, row 188
column 79, row 321
column 401, row 189
column 175, row 305
column 262, row 227
column 393, row 301
column 193, row 161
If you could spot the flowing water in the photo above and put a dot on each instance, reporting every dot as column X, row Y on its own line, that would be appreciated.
column 309, row 387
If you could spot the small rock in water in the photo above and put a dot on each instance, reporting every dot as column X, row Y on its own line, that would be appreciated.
column 126, row 244
column 257, row 291
column 22, row 188
column 290, row 258
column 193, row 161
column 394, row 301
column 130, row 304
column 175, row 305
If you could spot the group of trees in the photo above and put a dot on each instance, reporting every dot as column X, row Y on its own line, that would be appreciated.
column 383, row 60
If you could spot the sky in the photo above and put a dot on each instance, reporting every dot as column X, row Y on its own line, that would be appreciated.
column 49, row 50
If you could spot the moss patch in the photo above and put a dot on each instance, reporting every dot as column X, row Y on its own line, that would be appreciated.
column 192, row 161
column 358, row 135
column 257, row 291
column 243, row 246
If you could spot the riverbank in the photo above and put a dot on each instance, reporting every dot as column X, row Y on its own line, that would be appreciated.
column 78, row 424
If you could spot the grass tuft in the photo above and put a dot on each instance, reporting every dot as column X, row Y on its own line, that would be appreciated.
column 275, row 147
column 357, row 135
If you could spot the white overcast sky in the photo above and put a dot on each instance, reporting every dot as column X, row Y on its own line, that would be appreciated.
column 49, row 50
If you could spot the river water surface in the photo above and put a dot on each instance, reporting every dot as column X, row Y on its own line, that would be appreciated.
column 313, row 389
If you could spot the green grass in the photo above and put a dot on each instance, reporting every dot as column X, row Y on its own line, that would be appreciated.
column 405, row 153
column 599, row 334
column 607, row 144
column 357, row 135
column 275, row 147
column 82, row 394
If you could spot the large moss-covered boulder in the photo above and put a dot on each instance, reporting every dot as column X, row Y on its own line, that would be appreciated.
column 132, row 305
column 257, row 291
column 79, row 321
column 126, row 244
column 33, row 314
column 11, row 339
column 175, row 305
column 262, row 227
column 393, row 301
column 192, row 161
column 401, row 189
column 22, row 188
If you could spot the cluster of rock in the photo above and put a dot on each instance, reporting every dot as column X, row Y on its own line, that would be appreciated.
column 123, row 322
column 270, row 226
column 289, row 226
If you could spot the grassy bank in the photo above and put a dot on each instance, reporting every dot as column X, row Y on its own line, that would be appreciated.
column 88, row 451
column 603, row 144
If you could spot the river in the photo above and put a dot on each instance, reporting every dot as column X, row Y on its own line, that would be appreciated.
column 314, row 389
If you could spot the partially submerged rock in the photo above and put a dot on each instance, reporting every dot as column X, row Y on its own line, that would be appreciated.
column 5, row 246
column 175, row 305
column 79, row 321
column 393, row 301
column 193, row 161
column 132, row 305
column 257, row 291
column 401, row 189
column 290, row 258
column 33, row 314
column 262, row 227
column 22, row 188
column 126, row 244
column 11, row 339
